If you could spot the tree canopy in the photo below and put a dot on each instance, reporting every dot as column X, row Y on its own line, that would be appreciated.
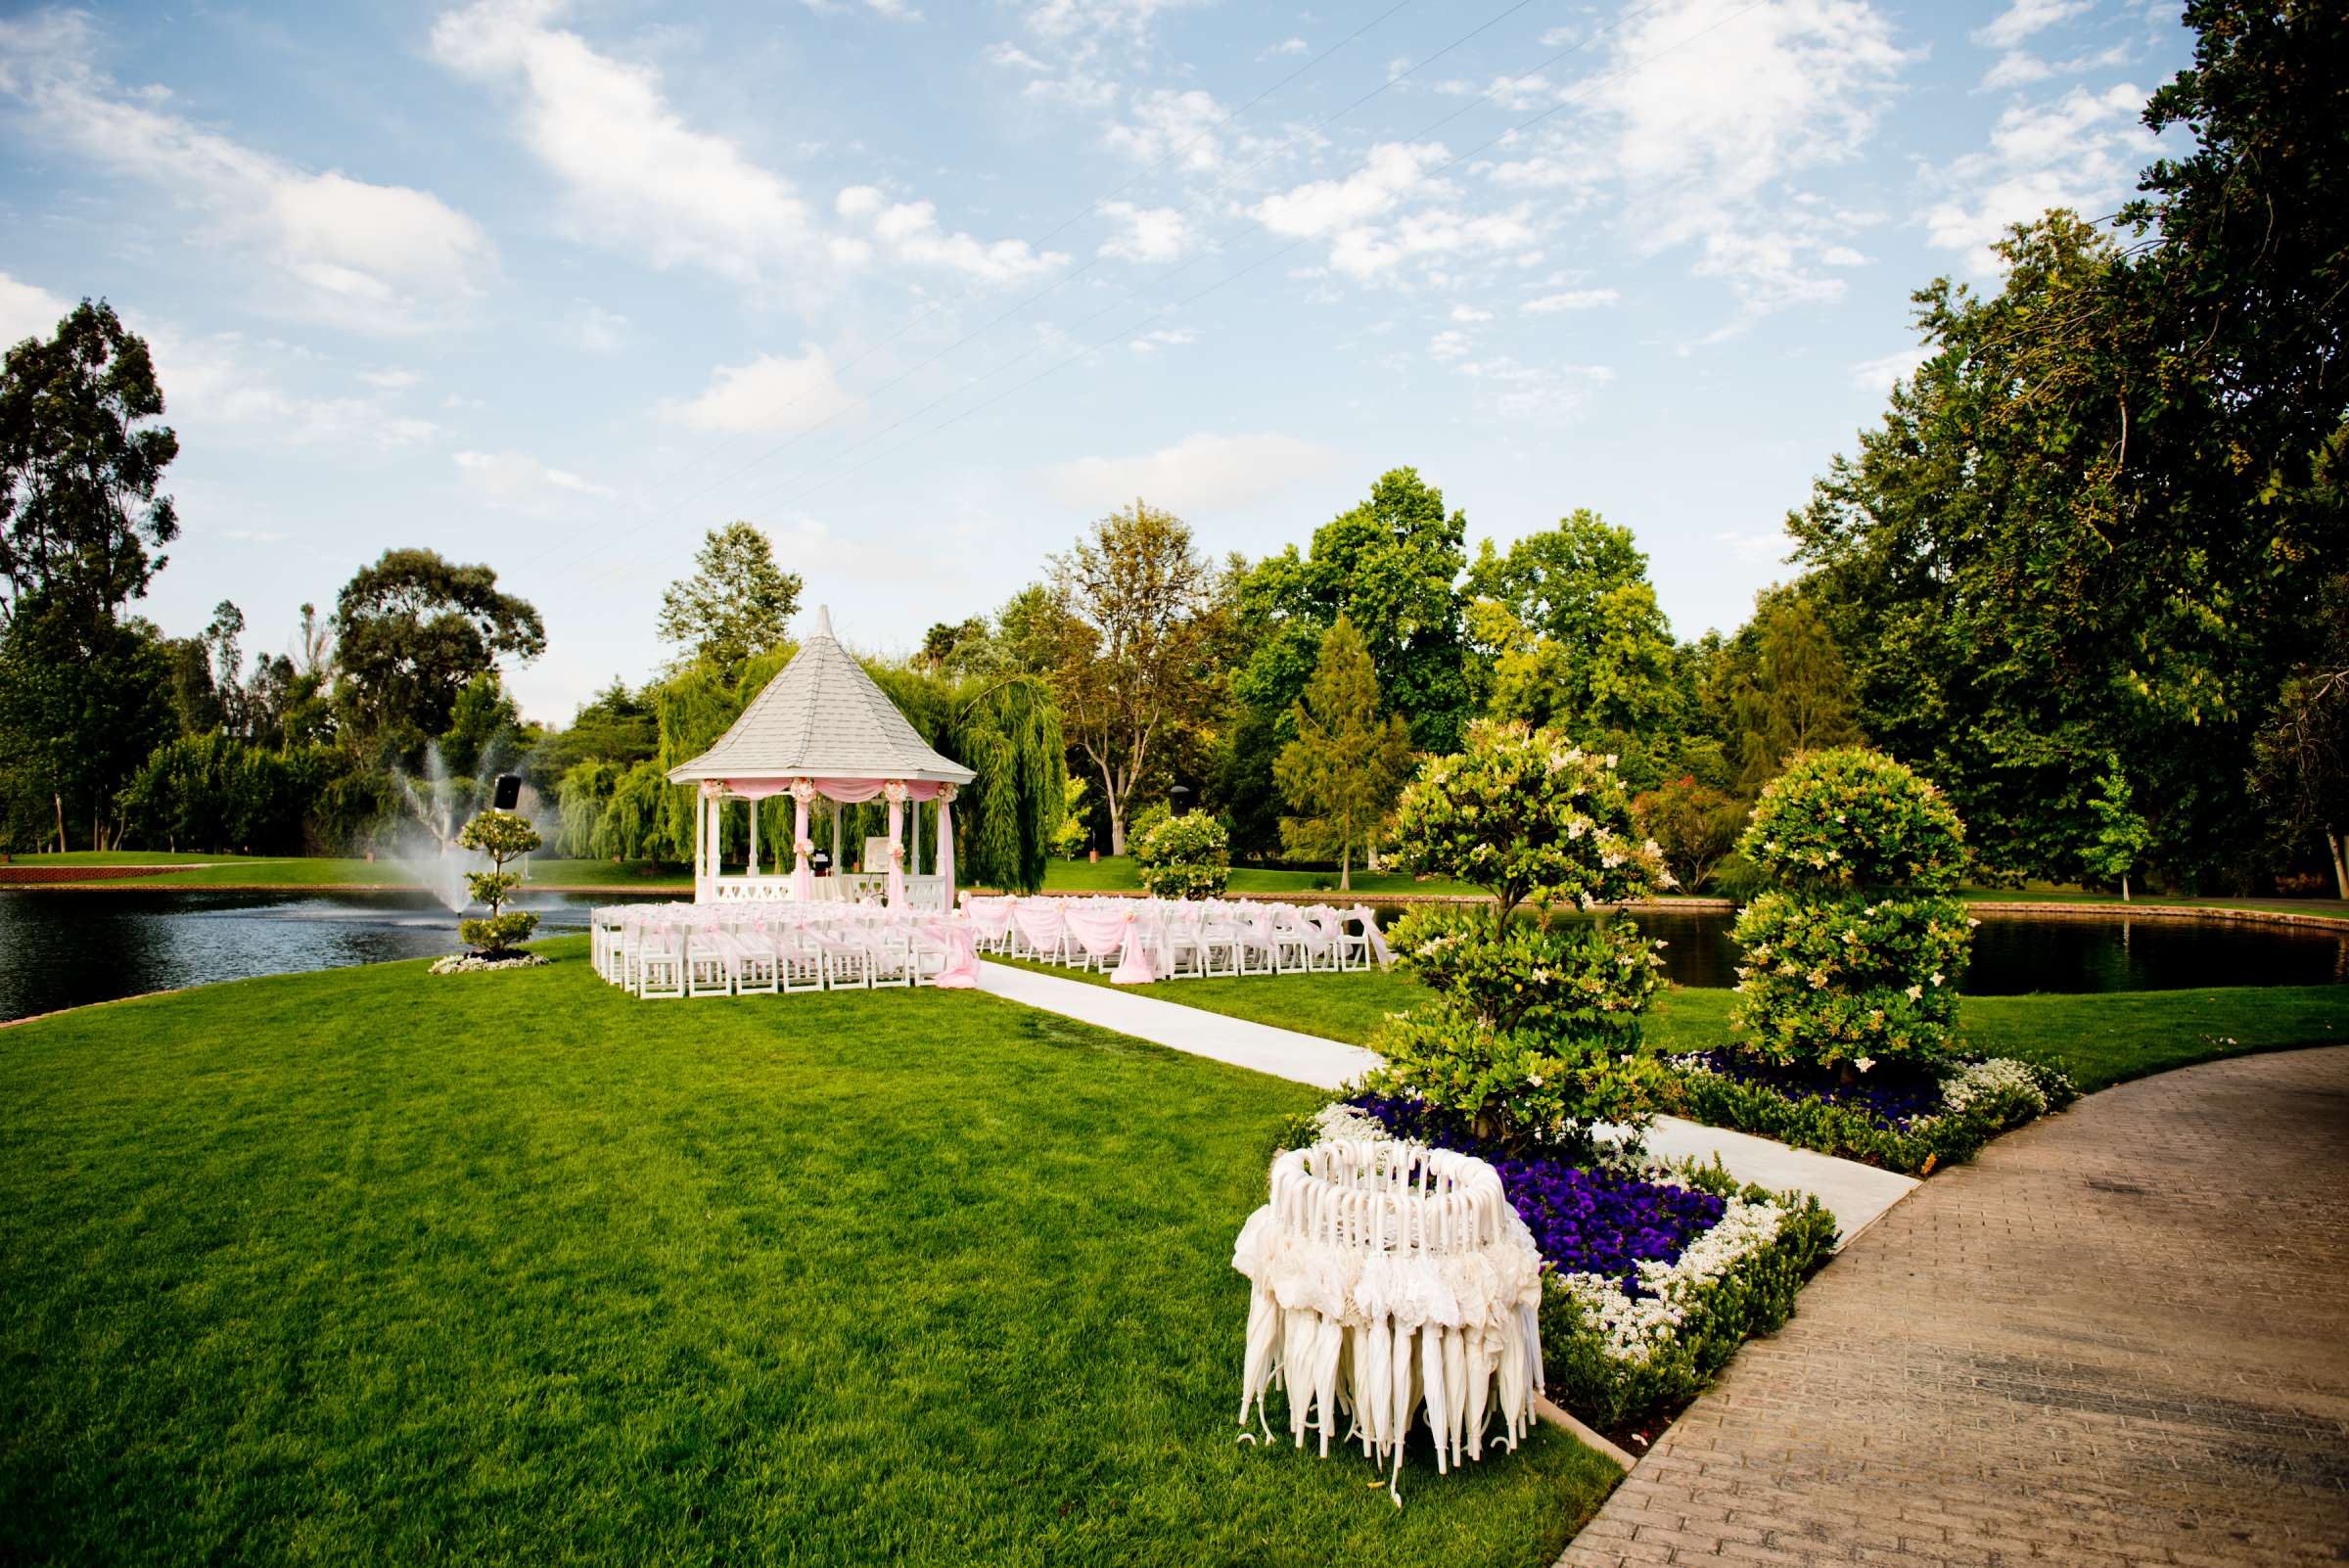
column 737, row 604
column 414, row 630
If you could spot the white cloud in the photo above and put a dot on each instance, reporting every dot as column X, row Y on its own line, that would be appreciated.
column 374, row 258
column 2017, row 67
column 1201, row 473
column 1319, row 205
column 634, row 173
column 28, row 311
column 1878, row 373
column 2023, row 18
column 594, row 328
column 1449, row 345
column 1145, row 234
column 909, row 232
column 1149, row 342
column 1289, row 46
column 1167, row 121
column 1513, row 94
column 391, row 380
column 1516, row 389
column 1083, row 19
column 1012, row 57
column 2081, row 152
column 1549, row 304
column 1465, row 312
column 516, row 481
column 771, row 394
column 1756, row 546
column 894, row 10
column 229, row 390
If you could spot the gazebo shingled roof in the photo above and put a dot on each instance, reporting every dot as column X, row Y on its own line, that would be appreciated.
column 822, row 716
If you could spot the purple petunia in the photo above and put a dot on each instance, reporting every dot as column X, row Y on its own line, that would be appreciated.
column 1583, row 1221
column 1895, row 1101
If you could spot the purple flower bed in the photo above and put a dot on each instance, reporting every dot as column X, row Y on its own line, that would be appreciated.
column 1583, row 1221
column 1895, row 1103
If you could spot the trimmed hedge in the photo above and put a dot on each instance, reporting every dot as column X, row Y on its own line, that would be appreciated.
column 1808, row 1122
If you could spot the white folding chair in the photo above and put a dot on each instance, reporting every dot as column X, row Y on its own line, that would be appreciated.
column 660, row 966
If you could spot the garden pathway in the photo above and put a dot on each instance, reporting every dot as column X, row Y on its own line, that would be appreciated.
column 2118, row 1337
column 1856, row 1194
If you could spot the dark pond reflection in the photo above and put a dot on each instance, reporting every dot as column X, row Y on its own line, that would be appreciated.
column 2015, row 954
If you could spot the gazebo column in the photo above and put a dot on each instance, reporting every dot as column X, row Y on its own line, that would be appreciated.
column 701, row 845
column 840, row 844
column 753, row 835
column 897, row 846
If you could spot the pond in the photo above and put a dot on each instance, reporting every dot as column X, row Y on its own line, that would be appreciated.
column 63, row 948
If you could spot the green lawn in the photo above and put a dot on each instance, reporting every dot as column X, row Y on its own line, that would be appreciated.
column 239, row 870
column 1115, row 873
column 2099, row 1039
column 370, row 1266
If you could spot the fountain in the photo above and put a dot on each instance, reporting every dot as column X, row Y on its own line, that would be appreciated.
column 426, row 846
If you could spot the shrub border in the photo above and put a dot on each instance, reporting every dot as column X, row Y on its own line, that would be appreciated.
column 1808, row 1122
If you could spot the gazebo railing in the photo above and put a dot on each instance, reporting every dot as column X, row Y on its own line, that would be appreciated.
column 921, row 892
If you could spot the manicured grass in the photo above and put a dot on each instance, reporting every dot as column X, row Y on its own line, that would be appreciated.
column 2099, row 1039
column 371, row 1266
column 239, row 870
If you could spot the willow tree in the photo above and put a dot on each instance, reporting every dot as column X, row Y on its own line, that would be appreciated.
column 1007, row 731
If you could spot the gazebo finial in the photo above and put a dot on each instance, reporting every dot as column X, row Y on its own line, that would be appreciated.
column 823, row 622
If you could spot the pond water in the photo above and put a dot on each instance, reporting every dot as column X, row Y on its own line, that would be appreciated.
column 63, row 948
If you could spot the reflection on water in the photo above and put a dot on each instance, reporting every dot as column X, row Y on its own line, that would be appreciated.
column 62, row 949
column 2017, row 954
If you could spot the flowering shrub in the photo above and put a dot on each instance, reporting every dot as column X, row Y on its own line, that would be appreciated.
column 1513, row 1090
column 1186, row 856
column 1855, row 819
column 1855, row 957
column 1854, row 978
column 502, row 836
column 1914, row 1122
column 466, row 963
column 1528, row 816
column 1592, row 980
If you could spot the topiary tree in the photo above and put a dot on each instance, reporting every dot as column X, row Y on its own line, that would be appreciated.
column 1531, row 818
column 1535, row 1033
column 503, row 837
column 1855, row 955
column 1186, row 856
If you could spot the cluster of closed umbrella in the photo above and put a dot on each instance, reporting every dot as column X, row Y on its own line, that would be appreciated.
column 1391, row 1279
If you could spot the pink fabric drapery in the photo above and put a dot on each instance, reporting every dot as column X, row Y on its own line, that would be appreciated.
column 1040, row 921
column 897, row 855
column 946, row 838
column 803, row 874
column 849, row 791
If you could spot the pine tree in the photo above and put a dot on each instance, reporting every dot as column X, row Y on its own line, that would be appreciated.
column 1347, row 765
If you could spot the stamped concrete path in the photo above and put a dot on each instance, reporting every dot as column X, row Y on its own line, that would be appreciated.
column 2121, row 1336
column 1856, row 1194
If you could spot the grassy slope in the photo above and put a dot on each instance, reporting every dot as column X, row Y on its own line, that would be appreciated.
column 2099, row 1039
column 368, row 1266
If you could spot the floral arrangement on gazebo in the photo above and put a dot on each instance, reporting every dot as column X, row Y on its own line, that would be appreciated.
column 822, row 729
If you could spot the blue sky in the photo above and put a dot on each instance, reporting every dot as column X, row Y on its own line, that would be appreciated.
column 923, row 287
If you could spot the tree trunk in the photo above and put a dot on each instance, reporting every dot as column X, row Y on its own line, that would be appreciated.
column 2124, row 887
column 1345, row 869
column 58, row 801
column 1117, row 812
column 2338, row 844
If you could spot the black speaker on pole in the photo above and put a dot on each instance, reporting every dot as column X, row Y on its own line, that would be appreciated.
column 509, row 792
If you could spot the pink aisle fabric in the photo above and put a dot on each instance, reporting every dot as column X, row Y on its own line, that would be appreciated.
column 802, row 875
column 1133, row 959
column 990, row 917
column 962, row 967
column 897, row 855
column 1378, row 937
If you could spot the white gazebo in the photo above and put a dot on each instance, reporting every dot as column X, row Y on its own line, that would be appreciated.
column 822, row 727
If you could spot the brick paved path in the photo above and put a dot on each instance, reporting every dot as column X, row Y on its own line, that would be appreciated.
column 2121, row 1336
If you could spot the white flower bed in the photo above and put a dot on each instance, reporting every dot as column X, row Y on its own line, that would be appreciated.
column 466, row 963
column 1999, row 1075
column 1633, row 1328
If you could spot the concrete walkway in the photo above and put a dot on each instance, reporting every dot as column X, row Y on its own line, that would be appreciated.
column 2120, row 1336
column 1856, row 1194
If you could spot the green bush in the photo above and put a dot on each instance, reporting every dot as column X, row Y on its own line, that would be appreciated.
column 498, row 933
column 503, row 836
column 1856, row 955
column 1855, row 819
column 1186, row 856
column 1592, row 980
column 1519, row 1090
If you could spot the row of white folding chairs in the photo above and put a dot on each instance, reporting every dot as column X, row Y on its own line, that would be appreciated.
column 1202, row 942
column 661, row 961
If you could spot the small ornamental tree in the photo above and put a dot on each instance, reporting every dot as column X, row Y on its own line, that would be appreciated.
column 1855, row 955
column 1186, row 856
column 502, row 836
column 2122, row 835
column 1534, row 1035
column 1531, row 818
